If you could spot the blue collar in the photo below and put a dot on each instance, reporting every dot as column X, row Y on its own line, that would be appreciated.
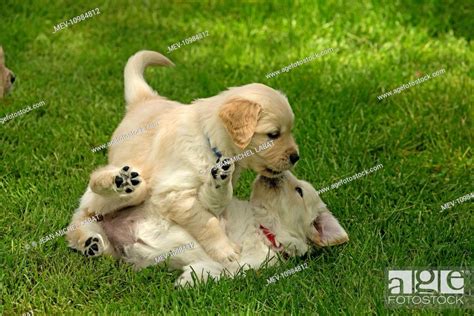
column 216, row 151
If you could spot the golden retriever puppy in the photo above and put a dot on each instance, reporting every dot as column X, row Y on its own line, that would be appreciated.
column 169, row 164
column 285, row 215
column 7, row 78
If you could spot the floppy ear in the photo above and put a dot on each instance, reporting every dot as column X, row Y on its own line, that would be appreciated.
column 2, row 58
column 240, row 120
column 328, row 231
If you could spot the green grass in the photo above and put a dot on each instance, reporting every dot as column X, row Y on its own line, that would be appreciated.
column 422, row 136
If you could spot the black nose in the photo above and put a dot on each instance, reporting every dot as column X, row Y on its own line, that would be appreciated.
column 12, row 79
column 294, row 158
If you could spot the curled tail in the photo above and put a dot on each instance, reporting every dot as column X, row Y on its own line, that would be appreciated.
column 136, row 88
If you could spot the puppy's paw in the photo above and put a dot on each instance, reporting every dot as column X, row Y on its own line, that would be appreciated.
column 226, row 253
column 295, row 248
column 195, row 275
column 127, row 180
column 94, row 246
column 222, row 171
column 184, row 280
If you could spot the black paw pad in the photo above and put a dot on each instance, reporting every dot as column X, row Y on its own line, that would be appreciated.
column 91, row 247
column 127, row 179
column 214, row 172
column 88, row 241
column 118, row 181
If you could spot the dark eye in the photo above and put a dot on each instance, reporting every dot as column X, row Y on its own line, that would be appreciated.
column 299, row 190
column 274, row 135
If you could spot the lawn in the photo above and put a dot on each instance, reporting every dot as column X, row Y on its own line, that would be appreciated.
column 422, row 136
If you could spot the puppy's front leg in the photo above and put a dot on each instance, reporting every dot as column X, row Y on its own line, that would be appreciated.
column 216, row 193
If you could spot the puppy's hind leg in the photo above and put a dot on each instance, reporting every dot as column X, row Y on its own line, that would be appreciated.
column 86, row 235
column 110, row 189
column 114, row 188
column 185, row 209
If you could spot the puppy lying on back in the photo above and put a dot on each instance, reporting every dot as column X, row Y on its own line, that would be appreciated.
column 284, row 215
column 168, row 164
column 7, row 78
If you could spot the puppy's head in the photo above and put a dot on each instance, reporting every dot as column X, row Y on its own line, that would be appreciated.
column 7, row 78
column 260, row 119
column 299, row 209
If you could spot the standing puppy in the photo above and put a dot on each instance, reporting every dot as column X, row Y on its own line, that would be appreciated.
column 169, row 164
column 7, row 78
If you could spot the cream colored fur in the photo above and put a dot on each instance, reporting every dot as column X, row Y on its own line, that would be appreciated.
column 139, row 236
column 174, row 158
